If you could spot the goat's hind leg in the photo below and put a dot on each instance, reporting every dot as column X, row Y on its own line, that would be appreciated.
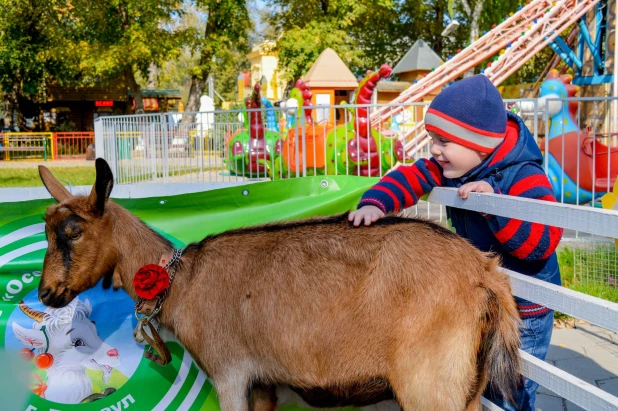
column 437, row 375
column 263, row 398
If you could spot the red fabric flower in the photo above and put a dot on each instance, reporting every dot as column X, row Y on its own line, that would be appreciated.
column 151, row 280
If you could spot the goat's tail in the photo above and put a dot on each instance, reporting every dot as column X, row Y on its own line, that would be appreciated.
column 498, row 357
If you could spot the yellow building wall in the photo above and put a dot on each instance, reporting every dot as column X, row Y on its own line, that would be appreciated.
column 266, row 65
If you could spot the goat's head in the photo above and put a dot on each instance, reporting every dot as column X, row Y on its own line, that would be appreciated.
column 80, row 249
column 69, row 336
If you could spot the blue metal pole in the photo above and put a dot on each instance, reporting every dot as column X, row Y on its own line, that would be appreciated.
column 569, row 52
column 561, row 53
column 583, row 29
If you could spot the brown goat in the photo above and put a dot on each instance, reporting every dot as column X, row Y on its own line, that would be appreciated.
column 342, row 315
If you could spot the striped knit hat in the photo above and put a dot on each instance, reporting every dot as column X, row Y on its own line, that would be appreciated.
column 470, row 112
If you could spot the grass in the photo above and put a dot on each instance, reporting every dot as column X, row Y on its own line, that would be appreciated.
column 29, row 177
column 566, row 261
column 567, row 265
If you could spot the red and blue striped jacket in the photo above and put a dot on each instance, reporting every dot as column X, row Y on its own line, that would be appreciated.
column 515, row 168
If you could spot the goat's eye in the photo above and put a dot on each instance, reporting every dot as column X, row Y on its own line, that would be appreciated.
column 75, row 236
column 78, row 343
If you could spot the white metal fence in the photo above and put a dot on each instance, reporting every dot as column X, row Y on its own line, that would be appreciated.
column 221, row 146
column 259, row 144
column 594, row 310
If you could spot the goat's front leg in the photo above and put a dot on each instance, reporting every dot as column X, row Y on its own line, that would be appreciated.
column 233, row 391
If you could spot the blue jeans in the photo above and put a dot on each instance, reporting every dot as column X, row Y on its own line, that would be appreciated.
column 535, row 335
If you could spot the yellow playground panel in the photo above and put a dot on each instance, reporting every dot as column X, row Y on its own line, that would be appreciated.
column 18, row 146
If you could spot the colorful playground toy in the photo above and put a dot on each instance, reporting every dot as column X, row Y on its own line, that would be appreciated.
column 254, row 151
column 353, row 148
column 570, row 148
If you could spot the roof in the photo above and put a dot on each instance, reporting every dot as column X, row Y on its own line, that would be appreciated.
column 170, row 93
column 330, row 71
column 419, row 57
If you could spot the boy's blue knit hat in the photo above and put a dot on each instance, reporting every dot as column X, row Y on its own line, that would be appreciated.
column 470, row 112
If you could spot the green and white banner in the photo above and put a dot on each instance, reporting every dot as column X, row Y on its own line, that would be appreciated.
column 96, row 364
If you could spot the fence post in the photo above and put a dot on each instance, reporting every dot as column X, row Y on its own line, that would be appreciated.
column 6, row 144
column 166, row 145
column 54, row 146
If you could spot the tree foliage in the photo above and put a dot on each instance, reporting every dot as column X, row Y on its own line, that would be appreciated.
column 119, row 38
column 87, row 42
column 31, row 45
column 224, row 32
column 369, row 33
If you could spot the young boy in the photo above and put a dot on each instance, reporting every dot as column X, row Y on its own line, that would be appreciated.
column 479, row 147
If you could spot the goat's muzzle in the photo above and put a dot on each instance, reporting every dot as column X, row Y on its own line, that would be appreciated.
column 55, row 299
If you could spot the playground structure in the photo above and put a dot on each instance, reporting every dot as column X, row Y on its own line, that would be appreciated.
column 354, row 147
column 515, row 41
column 254, row 151
column 310, row 148
column 579, row 166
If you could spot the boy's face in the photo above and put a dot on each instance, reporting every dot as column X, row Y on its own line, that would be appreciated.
column 455, row 159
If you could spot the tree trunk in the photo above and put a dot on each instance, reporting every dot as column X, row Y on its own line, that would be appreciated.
column 136, row 90
column 474, row 25
column 196, row 90
column 11, row 115
column 438, row 44
column 129, row 76
column 153, row 73
column 198, row 80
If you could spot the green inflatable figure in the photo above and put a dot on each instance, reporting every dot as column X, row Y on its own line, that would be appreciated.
column 254, row 151
column 354, row 148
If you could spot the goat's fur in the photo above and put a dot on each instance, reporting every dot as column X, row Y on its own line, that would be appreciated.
column 342, row 315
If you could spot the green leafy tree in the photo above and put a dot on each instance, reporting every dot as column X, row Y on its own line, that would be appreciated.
column 120, row 38
column 305, row 28
column 224, row 33
column 32, row 36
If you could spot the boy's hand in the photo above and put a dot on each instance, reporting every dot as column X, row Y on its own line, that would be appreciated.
column 370, row 214
column 474, row 187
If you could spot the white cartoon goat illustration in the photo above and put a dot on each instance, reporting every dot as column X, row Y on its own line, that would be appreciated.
column 70, row 337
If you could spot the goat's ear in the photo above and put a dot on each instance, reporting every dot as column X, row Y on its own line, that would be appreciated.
column 29, row 337
column 102, row 187
column 57, row 190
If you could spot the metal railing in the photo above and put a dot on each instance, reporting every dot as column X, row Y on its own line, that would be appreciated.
column 220, row 146
column 18, row 146
column 71, row 145
column 45, row 145
column 594, row 310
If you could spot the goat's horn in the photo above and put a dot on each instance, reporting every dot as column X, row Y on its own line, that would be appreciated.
column 37, row 316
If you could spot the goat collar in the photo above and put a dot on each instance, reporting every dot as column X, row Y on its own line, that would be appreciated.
column 147, row 310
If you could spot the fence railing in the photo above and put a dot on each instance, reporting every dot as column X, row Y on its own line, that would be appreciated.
column 239, row 145
column 45, row 145
column 594, row 310
column 71, row 145
column 580, row 149
column 26, row 145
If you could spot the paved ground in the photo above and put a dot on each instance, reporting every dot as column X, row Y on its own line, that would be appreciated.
column 588, row 352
